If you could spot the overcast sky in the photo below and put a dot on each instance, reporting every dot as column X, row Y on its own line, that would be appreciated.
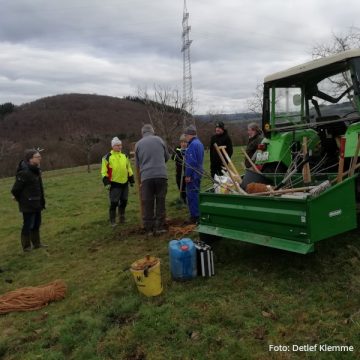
column 114, row 47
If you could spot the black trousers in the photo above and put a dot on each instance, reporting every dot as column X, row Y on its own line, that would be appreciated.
column 32, row 222
column 118, row 197
column 153, row 194
column 183, row 188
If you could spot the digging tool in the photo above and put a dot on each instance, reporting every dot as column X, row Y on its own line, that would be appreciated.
column 250, row 161
column 229, row 162
column 237, row 186
column 341, row 160
column 306, row 168
column 355, row 158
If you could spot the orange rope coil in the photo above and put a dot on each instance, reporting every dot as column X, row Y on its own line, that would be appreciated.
column 32, row 298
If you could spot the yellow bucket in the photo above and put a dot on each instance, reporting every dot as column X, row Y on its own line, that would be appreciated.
column 147, row 276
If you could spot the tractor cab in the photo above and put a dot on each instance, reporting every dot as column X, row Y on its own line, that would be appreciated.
column 318, row 101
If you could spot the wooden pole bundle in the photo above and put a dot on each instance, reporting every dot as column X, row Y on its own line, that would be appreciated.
column 229, row 162
column 236, row 184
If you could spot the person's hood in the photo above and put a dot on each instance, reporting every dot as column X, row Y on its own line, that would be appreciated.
column 23, row 165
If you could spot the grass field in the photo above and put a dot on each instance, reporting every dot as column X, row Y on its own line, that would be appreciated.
column 259, row 296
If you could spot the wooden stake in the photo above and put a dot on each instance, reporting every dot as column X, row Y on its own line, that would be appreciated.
column 306, row 168
column 333, row 181
column 341, row 160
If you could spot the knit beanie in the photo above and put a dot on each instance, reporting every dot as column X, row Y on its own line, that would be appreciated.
column 220, row 125
column 115, row 141
column 190, row 130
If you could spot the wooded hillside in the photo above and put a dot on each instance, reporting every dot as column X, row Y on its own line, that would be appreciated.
column 72, row 127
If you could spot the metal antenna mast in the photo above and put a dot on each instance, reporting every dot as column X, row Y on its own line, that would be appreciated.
column 187, row 79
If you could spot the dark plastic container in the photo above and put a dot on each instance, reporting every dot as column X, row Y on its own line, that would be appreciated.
column 182, row 255
column 253, row 177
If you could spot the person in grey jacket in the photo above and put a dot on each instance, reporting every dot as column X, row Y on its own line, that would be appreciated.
column 151, row 156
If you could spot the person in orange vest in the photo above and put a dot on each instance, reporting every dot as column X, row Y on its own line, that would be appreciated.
column 116, row 174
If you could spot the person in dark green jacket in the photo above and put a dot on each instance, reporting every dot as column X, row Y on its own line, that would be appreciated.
column 28, row 191
column 255, row 137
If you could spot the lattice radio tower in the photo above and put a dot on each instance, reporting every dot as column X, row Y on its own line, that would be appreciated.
column 187, row 79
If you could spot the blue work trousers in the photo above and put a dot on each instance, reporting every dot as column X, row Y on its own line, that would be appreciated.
column 192, row 194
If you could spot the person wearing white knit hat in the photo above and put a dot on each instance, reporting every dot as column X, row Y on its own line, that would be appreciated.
column 115, row 141
column 117, row 173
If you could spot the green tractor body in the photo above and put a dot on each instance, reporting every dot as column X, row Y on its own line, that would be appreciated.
column 317, row 103
column 319, row 100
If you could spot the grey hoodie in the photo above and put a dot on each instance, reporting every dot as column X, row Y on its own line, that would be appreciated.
column 151, row 155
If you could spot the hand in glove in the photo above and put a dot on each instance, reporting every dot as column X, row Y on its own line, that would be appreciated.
column 106, row 181
column 131, row 180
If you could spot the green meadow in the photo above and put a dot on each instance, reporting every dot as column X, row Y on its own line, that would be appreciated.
column 259, row 296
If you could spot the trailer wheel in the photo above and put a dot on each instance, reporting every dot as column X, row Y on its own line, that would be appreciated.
column 209, row 239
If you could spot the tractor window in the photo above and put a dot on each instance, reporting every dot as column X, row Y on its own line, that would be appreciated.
column 287, row 105
column 334, row 97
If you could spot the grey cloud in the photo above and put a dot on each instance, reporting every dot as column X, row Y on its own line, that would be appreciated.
column 112, row 47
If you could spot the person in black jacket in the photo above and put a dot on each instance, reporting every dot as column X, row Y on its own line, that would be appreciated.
column 221, row 138
column 179, row 156
column 28, row 191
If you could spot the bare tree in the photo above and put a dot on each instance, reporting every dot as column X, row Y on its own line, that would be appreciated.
column 255, row 104
column 6, row 148
column 165, row 109
column 338, row 43
column 82, row 138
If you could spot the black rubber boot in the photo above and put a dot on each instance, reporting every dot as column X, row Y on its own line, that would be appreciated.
column 35, row 239
column 112, row 214
column 122, row 215
column 26, row 242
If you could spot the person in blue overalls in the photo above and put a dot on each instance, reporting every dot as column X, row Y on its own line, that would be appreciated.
column 194, row 158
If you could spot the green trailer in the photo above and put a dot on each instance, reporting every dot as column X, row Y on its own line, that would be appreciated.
column 318, row 101
column 292, row 224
